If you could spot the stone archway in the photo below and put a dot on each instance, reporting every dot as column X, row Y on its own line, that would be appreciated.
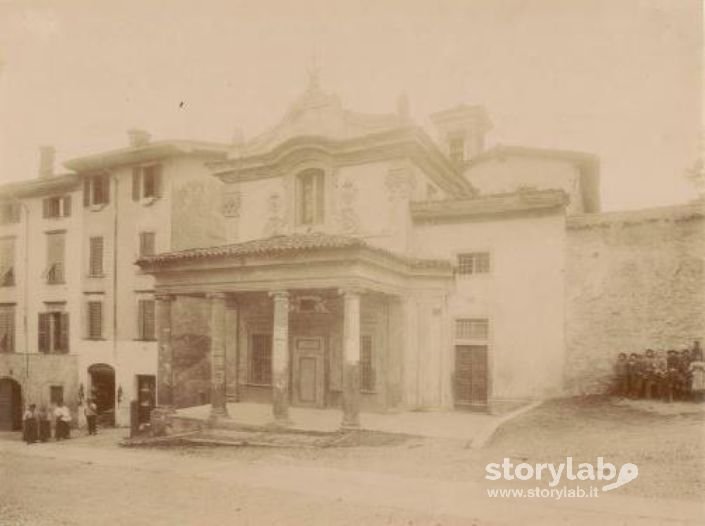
column 10, row 405
column 102, row 390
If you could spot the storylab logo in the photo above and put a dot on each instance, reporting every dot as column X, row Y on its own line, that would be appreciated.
column 604, row 476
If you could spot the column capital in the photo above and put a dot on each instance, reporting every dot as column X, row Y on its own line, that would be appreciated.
column 351, row 291
column 216, row 295
column 164, row 297
column 279, row 294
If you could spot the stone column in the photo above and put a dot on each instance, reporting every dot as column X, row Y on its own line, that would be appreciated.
column 216, row 327
column 351, row 359
column 280, row 358
column 165, row 353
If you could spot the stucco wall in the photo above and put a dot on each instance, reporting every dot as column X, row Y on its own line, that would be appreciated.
column 522, row 297
column 634, row 281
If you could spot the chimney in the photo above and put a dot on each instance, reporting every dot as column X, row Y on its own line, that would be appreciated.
column 46, row 161
column 138, row 138
column 462, row 131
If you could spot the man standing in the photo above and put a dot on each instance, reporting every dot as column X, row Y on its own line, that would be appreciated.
column 63, row 419
column 91, row 412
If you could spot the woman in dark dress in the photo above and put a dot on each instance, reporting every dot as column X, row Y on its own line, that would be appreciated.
column 29, row 421
column 44, row 425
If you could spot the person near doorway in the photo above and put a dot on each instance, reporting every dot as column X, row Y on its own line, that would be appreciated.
column 91, row 412
column 44, row 424
column 29, row 425
column 63, row 419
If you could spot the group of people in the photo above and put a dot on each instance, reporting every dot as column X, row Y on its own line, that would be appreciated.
column 36, row 423
column 666, row 375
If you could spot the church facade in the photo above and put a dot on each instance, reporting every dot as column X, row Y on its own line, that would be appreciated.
column 339, row 259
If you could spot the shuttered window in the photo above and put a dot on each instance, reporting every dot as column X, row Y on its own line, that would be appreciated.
column 95, row 320
column 261, row 359
column 145, row 320
column 146, row 181
column 367, row 369
column 55, row 257
column 53, row 332
column 95, row 263
column 7, row 262
column 7, row 328
column 147, row 243
column 96, row 190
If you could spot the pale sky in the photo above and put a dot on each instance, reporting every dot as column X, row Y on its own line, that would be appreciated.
column 617, row 78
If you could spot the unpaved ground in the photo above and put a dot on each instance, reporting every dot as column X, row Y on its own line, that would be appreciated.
column 59, row 489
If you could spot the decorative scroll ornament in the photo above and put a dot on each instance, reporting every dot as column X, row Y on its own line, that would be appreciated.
column 276, row 225
column 231, row 204
column 349, row 219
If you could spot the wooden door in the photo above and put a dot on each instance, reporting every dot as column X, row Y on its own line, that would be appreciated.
column 471, row 375
column 10, row 405
column 308, row 371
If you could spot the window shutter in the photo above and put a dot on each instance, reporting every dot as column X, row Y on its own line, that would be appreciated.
column 86, row 192
column 67, row 206
column 140, row 320
column 64, row 332
column 136, row 183
column 158, row 180
column 149, row 320
column 106, row 189
column 43, row 332
column 45, row 207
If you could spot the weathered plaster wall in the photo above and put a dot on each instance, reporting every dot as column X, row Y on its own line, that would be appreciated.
column 635, row 280
column 522, row 297
column 508, row 175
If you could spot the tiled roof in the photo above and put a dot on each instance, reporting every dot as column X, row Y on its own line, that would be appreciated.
column 286, row 244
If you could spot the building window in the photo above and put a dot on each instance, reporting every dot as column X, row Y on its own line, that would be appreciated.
column 9, row 213
column 7, row 262
column 310, row 197
column 7, row 328
column 367, row 369
column 53, row 332
column 471, row 329
column 456, row 149
column 147, row 243
column 95, row 259
column 145, row 320
column 474, row 263
column 53, row 207
column 56, row 394
column 56, row 242
column 95, row 320
column 261, row 359
column 146, row 182
column 96, row 190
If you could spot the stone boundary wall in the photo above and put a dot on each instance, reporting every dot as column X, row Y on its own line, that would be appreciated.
column 634, row 280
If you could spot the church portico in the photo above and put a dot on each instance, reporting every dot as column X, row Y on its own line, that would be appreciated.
column 317, row 328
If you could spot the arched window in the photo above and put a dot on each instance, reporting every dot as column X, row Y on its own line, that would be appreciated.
column 310, row 197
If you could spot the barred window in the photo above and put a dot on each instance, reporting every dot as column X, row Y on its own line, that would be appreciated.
column 145, row 320
column 367, row 370
column 471, row 329
column 7, row 328
column 474, row 263
column 95, row 320
column 147, row 243
column 261, row 359
column 95, row 263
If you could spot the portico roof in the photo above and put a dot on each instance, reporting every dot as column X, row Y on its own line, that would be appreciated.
column 315, row 260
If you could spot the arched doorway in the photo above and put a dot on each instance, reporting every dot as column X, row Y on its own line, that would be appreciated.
column 10, row 405
column 102, row 389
